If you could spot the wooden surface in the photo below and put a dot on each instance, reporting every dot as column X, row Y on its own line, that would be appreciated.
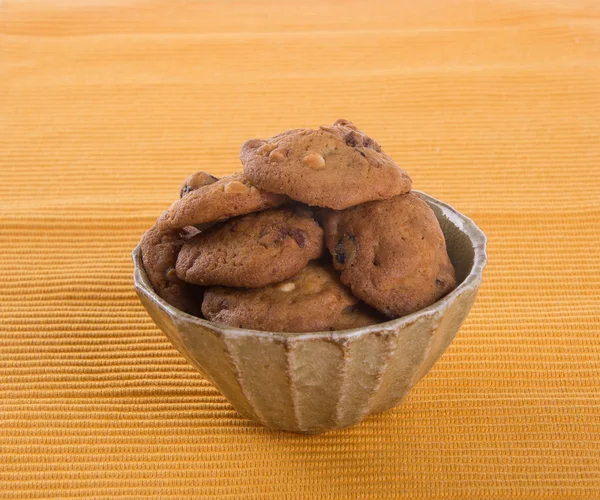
column 105, row 107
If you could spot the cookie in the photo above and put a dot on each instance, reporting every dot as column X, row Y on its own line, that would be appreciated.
column 221, row 200
column 313, row 300
column 391, row 253
column 159, row 256
column 196, row 180
column 253, row 250
column 336, row 167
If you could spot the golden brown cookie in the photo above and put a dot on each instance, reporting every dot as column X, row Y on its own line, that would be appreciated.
column 253, row 250
column 392, row 253
column 196, row 180
column 336, row 167
column 218, row 201
column 313, row 300
column 159, row 256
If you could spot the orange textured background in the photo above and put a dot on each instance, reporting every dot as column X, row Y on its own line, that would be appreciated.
column 105, row 107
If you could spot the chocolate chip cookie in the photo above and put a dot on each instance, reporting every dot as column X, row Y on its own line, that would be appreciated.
column 253, row 250
column 336, row 167
column 313, row 300
column 217, row 201
column 159, row 256
column 392, row 253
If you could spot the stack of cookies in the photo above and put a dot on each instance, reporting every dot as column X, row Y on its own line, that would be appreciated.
column 319, row 232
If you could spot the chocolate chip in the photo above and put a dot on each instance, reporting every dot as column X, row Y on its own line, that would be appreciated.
column 350, row 309
column 340, row 256
column 345, row 245
column 272, row 236
column 439, row 282
column 351, row 140
column 299, row 237
column 184, row 190
column 370, row 143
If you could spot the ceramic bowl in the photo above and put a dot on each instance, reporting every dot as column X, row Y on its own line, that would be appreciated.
column 312, row 382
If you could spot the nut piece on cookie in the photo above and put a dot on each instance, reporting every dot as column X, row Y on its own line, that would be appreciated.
column 337, row 166
column 391, row 253
column 195, row 181
column 313, row 300
column 253, row 250
column 218, row 201
column 159, row 256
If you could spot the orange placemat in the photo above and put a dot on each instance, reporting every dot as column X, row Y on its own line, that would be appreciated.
column 105, row 107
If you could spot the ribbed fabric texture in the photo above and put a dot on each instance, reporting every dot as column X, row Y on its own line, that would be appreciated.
column 105, row 107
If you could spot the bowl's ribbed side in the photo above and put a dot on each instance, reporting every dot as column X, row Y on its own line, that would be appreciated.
column 313, row 383
column 202, row 347
column 449, row 323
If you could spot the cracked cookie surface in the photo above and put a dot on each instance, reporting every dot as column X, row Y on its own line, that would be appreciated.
column 253, row 250
column 312, row 300
column 391, row 253
column 217, row 201
column 337, row 166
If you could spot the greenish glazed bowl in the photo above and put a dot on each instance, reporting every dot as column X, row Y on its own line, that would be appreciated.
column 312, row 382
